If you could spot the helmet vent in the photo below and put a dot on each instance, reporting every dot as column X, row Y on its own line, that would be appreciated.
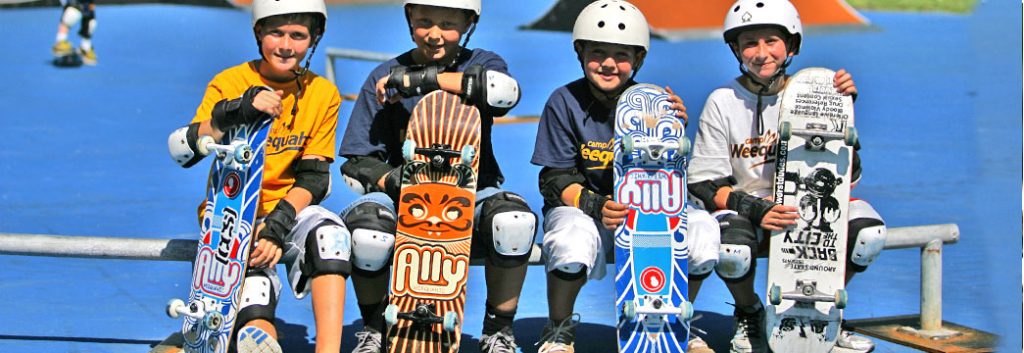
column 600, row 24
column 736, row 9
column 760, row 5
column 622, row 26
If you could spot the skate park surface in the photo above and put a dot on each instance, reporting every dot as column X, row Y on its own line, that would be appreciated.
column 939, row 115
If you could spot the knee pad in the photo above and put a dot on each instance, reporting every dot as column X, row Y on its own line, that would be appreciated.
column 88, row 27
column 71, row 16
column 865, row 241
column 508, row 225
column 328, row 251
column 736, row 258
column 373, row 229
column 259, row 296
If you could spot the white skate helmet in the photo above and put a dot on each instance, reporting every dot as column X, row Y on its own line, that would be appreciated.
column 472, row 5
column 612, row 21
column 266, row 8
column 751, row 13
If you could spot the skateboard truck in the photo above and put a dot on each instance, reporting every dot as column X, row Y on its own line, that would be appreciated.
column 439, row 155
column 239, row 151
column 806, row 292
column 817, row 134
column 656, row 306
column 655, row 150
column 196, row 310
column 423, row 315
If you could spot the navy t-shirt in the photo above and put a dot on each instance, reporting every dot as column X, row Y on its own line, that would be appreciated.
column 378, row 130
column 576, row 131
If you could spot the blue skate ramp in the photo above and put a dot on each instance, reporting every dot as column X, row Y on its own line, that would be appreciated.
column 939, row 114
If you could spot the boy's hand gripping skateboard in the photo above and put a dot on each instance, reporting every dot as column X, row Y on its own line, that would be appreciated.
column 807, row 262
column 427, row 293
column 650, row 247
column 226, row 237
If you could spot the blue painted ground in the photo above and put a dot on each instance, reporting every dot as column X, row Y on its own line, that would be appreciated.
column 84, row 154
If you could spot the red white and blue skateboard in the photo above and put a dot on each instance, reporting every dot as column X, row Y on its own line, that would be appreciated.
column 650, row 248
column 225, row 239
column 427, row 292
column 807, row 263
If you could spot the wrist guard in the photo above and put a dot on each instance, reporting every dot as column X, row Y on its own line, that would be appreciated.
column 239, row 111
column 278, row 223
column 413, row 81
column 591, row 203
column 753, row 208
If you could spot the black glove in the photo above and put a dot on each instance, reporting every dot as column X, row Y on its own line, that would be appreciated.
column 278, row 223
column 413, row 81
column 239, row 111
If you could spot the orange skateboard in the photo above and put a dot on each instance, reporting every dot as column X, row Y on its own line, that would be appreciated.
column 427, row 293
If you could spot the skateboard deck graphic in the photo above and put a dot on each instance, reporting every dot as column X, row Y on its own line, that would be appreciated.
column 651, row 255
column 225, row 239
column 807, row 263
column 427, row 291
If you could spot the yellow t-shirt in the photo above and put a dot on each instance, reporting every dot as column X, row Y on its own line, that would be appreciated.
column 311, row 132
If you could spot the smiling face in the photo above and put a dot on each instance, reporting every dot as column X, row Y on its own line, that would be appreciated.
column 436, row 212
column 762, row 51
column 284, row 42
column 608, row 66
column 436, row 32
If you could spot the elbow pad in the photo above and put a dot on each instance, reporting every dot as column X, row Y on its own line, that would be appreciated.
column 705, row 191
column 314, row 176
column 554, row 180
column 182, row 145
column 490, row 90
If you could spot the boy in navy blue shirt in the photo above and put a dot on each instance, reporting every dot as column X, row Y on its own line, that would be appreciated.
column 505, row 225
column 574, row 147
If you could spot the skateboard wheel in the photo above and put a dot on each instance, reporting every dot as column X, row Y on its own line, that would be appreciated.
column 627, row 145
column 202, row 144
column 841, row 299
column 468, row 153
column 629, row 310
column 451, row 321
column 785, row 130
column 775, row 295
column 243, row 154
column 173, row 306
column 850, row 138
column 391, row 314
column 685, row 310
column 409, row 150
column 684, row 146
column 213, row 320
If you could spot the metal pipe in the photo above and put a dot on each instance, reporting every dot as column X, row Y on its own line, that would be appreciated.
column 185, row 249
column 931, row 286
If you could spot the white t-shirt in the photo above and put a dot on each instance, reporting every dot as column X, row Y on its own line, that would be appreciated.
column 728, row 142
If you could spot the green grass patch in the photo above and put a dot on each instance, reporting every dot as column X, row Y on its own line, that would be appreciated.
column 954, row 6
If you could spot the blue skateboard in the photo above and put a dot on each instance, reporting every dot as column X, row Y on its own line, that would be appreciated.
column 232, row 199
column 651, row 263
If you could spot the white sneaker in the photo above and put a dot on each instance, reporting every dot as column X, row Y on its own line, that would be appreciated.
column 749, row 336
column 252, row 339
column 850, row 343
column 559, row 337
